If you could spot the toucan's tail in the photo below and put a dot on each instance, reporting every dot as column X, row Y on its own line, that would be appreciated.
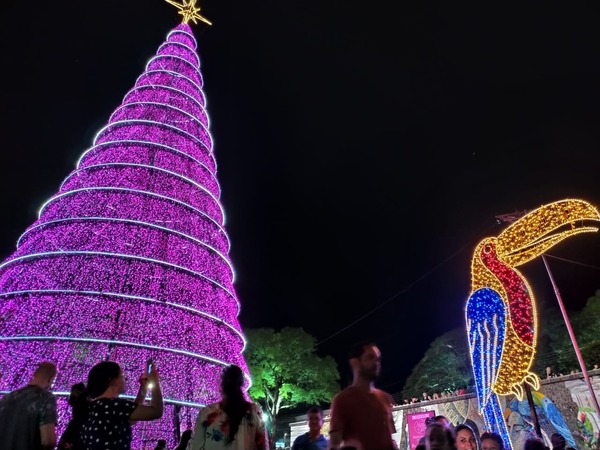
column 494, row 419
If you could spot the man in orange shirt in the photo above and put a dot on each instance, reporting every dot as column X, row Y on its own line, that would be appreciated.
column 361, row 415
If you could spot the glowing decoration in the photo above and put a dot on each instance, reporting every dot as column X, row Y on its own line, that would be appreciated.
column 500, row 313
column 189, row 11
column 129, row 260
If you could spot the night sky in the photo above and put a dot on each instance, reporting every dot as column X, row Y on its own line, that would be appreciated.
column 363, row 147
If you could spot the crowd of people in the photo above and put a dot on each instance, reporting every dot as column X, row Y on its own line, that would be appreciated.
column 361, row 415
column 361, row 419
column 101, row 420
column 449, row 393
column 425, row 397
column 442, row 435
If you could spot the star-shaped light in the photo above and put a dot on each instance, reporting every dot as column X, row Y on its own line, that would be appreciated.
column 189, row 11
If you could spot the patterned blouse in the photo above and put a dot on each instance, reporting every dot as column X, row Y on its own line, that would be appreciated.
column 107, row 424
column 212, row 429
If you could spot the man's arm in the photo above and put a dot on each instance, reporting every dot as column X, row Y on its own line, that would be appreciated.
column 391, row 416
column 335, row 440
column 47, row 421
column 48, row 435
column 336, row 424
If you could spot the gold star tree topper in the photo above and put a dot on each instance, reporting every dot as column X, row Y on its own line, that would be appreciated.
column 189, row 11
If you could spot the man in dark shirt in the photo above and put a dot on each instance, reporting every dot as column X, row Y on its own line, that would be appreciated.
column 28, row 415
column 361, row 415
column 313, row 440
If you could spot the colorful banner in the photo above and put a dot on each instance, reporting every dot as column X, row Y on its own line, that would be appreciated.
column 416, row 427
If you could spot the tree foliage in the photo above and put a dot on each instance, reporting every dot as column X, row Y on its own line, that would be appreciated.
column 586, row 326
column 287, row 372
column 445, row 366
column 554, row 347
column 587, row 321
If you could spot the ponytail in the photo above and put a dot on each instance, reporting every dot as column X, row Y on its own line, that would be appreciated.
column 236, row 406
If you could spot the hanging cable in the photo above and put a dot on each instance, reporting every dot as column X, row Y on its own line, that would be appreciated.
column 573, row 262
column 407, row 288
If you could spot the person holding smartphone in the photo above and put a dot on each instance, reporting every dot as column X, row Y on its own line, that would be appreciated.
column 108, row 419
column 145, row 385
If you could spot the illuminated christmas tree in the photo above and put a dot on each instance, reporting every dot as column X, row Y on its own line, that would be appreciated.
column 129, row 260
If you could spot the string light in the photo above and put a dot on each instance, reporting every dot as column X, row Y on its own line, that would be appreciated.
column 501, row 313
column 144, row 152
column 189, row 11
column 173, row 134
column 129, row 260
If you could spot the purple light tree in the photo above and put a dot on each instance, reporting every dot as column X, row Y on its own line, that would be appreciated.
column 129, row 260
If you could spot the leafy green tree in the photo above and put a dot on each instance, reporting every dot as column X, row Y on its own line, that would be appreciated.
column 586, row 325
column 587, row 322
column 560, row 355
column 554, row 347
column 287, row 372
column 445, row 365
column 591, row 354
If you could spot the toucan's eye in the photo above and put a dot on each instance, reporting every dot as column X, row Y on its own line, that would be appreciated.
column 487, row 249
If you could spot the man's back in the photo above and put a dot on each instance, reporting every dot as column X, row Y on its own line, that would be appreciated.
column 22, row 412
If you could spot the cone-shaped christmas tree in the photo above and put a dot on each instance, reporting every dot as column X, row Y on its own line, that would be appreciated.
column 129, row 260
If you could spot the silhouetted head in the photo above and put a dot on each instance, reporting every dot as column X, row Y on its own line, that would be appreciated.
column 439, row 437
column 534, row 444
column 365, row 360
column 491, row 441
column 442, row 420
column 186, row 435
column 76, row 391
column 315, row 419
column 232, row 380
column 558, row 442
column 185, row 438
column 105, row 375
column 44, row 375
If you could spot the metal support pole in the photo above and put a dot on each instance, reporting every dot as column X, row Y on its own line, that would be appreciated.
column 177, row 422
column 534, row 416
column 572, row 336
